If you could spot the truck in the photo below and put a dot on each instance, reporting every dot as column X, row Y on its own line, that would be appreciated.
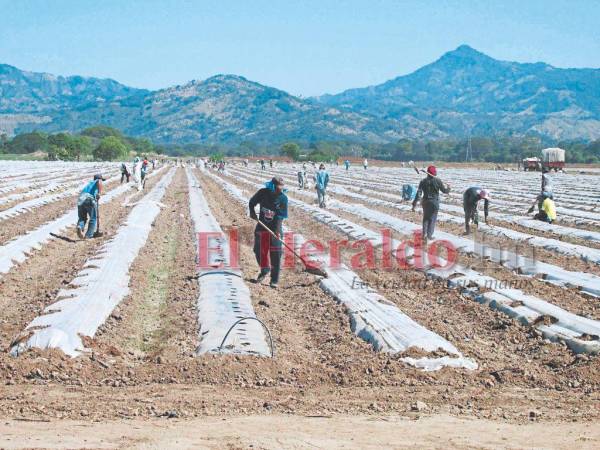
column 553, row 158
column 531, row 164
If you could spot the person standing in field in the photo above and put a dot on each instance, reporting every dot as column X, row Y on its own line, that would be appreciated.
column 347, row 164
column 273, row 210
column 262, row 164
column 429, row 189
column 124, row 173
column 87, row 207
column 365, row 164
column 321, row 182
column 471, row 199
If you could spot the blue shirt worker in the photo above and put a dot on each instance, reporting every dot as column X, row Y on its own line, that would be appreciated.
column 87, row 206
column 273, row 210
column 321, row 182
column 409, row 192
column 347, row 164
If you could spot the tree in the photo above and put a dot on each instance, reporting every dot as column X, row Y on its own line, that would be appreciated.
column 28, row 143
column 3, row 143
column 291, row 150
column 102, row 131
column 110, row 148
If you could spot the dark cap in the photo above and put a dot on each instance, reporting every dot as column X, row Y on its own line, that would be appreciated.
column 99, row 176
column 277, row 181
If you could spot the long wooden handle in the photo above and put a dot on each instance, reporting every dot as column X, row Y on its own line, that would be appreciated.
column 281, row 240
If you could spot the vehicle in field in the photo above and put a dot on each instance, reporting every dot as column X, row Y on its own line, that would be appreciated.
column 532, row 164
column 553, row 158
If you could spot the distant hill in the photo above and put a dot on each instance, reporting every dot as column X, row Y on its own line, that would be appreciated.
column 466, row 91
column 463, row 92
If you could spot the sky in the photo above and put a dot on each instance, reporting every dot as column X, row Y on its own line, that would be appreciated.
column 303, row 47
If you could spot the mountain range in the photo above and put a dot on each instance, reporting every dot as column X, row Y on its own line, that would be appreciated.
column 465, row 92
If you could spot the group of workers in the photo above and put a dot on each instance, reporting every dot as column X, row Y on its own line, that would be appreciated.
column 87, row 202
column 273, row 204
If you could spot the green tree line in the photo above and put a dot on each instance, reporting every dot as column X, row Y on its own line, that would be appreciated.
column 98, row 143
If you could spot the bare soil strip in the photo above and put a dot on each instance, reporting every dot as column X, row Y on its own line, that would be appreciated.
column 157, row 320
column 285, row 432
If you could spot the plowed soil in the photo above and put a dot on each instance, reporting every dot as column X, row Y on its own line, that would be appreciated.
column 143, row 367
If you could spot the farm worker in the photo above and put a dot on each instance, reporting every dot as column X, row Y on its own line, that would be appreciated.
column 262, row 164
column 273, row 210
column 321, row 181
column 124, row 173
column 430, row 188
column 547, row 188
column 547, row 212
column 300, row 179
column 271, row 163
column 246, row 163
column 365, row 163
column 144, row 169
column 409, row 192
column 471, row 198
column 87, row 206
column 347, row 164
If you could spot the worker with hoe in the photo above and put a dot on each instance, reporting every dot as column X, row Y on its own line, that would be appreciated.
column 471, row 199
column 430, row 188
column 273, row 210
column 321, row 182
column 87, row 207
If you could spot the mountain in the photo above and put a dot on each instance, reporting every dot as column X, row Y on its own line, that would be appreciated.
column 222, row 109
column 463, row 92
column 466, row 91
column 33, row 99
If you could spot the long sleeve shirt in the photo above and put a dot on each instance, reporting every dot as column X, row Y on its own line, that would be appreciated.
column 429, row 189
column 471, row 197
column 322, row 180
column 273, row 208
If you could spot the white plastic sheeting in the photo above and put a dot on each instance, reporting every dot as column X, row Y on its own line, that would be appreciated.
column 34, row 203
column 374, row 318
column 587, row 283
column 99, row 287
column 224, row 297
column 18, row 250
column 579, row 333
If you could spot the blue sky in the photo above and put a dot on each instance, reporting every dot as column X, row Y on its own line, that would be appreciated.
column 304, row 47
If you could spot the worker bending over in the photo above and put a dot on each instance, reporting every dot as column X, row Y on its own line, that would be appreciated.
column 430, row 188
column 409, row 192
column 471, row 198
column 547, row 212
column 87, row 207
column 273, row 210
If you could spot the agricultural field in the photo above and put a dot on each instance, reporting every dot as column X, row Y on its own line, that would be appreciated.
column 498, row 331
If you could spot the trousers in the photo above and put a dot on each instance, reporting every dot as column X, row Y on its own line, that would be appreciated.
column 268, row 251
column 430, row 212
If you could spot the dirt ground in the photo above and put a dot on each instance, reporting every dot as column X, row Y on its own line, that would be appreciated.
column 142, row 384
column 294, row 432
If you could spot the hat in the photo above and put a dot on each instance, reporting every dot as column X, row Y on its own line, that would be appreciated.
column 484, row 194
column 99, row 176
column 431, row 171
column 277, row 181
column 321, row 166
